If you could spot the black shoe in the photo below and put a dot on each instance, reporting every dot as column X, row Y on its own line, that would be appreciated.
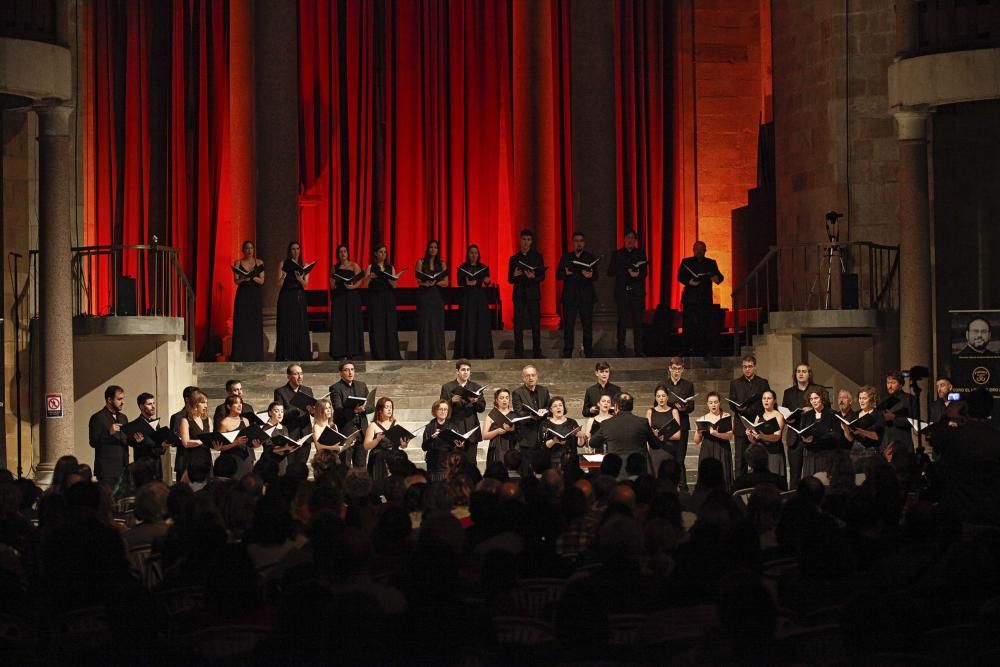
column 621, row 352
column 538, row 355
column 567, row 355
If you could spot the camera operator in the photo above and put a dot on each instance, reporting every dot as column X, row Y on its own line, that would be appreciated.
column 968, row 460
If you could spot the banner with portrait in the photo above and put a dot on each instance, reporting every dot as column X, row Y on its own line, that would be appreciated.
column 975, row 351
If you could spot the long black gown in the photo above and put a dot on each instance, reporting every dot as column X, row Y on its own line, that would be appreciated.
column 500, row 445
column 718, row 448
column 383, row 334
column 248, row 323
column 473, row 337
column 437, row 450
column 347, row 330
column 669, row 447
column 293, row 326
column 430, row 320
column 378, row 460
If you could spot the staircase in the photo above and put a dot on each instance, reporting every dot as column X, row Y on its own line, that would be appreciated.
column 415, row 385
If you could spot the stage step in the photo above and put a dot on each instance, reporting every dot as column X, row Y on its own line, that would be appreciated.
column 414, row 385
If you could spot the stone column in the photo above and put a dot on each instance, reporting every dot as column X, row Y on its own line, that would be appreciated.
column 55, row 281
column 915, row 322
column 276, row 83
column 593, row 118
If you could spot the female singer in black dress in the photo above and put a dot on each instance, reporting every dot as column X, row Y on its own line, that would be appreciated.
column 716, row 444
column 430, row 303
column 293, row 325
column 820, row 440
column 772, row 442
column 474, row 336
column 347, row 329
column 380, row 448
column 502, row 438
column 558, row 421
column 436, row 447
column 865, row 435
column 383, row 335
column 593, row 425
column 248, row 316
column 659, row 416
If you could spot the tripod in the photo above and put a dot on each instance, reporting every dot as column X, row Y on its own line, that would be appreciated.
column 833, row 250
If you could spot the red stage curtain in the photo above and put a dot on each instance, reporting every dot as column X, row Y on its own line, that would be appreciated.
column 643, row 116
column 117, row 177
column 337, row 89
column 448, row 131
column 118, row 140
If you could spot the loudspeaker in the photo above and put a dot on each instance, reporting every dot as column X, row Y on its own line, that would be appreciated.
column 126, row 296
column 849, row 291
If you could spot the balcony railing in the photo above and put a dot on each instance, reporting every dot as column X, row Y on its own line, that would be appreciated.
column 822, row 276
column 126, row 280
column 957, row 25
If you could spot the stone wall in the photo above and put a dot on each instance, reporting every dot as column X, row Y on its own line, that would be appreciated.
column 835, row 146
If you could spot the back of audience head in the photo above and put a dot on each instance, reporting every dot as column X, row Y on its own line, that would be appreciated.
column 151, row 502
column 611, row 465
column 199, row 465
column 635, row 464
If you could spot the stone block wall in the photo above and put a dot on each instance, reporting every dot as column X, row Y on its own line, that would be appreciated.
column 835, row 140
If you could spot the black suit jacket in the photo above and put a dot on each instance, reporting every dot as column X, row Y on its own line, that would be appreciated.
column 525, row 288
column 684, row 389
column 741, row 390
column 147, row 449
column 594, row 393
column 700, row 294
column 347, row 420
column 625, row 434
column 296, row 420
column 625, row 284
column 527, row 430
column 576, row 287
column 110, row 449
column 464, row 415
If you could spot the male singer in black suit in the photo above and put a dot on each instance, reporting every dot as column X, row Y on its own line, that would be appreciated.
column 577, row 271
column 526, row 271
column 296, row 419
column 697, row 273
column 897, row 428
column 464, row 409
column 348, row 419
column 146, row 449
column 110, row 443
column 681, row 388
column 746, row 390
column 625, row 433
column 536, row 396
column 793, row 399
column 939, row 407
column 233, row 388
column 629, row 267
column 604, row 387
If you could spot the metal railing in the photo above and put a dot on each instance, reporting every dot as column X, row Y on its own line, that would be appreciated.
column 957, row 25
column 136, row 280
column 821, row 276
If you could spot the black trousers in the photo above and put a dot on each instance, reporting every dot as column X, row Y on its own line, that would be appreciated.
column 631, row 307
column 700, row 332
column 795, row 448
column 682, row 450
column 527, row 314
column 740, row 444
column 584, row 308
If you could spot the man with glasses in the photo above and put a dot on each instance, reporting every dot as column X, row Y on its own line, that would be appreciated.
column 744, row 401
